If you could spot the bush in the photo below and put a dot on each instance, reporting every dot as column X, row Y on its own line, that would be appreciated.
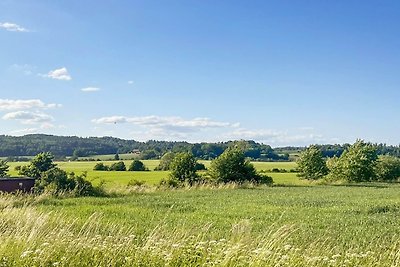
column 183, row 168
column 118, row 166
column 387, row 168
column 3, row 168
column 232, row 166
column 311, row 164
column 356, row 164
column 137, row 165
column 42, row 162
column 100, row 167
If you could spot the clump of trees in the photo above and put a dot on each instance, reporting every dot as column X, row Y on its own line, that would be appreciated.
column 52, row 179
column 358, row 163
column 231, row 166
column 136, row 165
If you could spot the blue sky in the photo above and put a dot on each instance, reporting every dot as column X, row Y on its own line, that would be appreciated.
column 278, row 72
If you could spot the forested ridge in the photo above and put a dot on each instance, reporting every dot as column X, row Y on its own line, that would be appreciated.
column 73, row 146
column 61, row 146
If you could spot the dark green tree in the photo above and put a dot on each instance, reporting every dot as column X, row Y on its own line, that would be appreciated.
column 311, row 164
column 387, row 168
column 40, row 163
column 356, row 164
column 3, row 168
column 100, row 167
column 118, row 166
column 137, row 165
column 183, row 168
column 232, row 166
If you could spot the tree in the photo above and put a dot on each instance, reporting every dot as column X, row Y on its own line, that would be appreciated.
column 3, row 168
column 137, row 165
column 232, row 166
column 165, row 162
column 387, row 168
column 356, row 164
column 118, row 166
column 116, row 157
column 183, row 168
column 311, row 164
column 100, row 167
column 42, row 162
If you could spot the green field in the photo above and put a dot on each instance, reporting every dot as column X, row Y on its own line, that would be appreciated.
column 113, row 178
column 293, row 223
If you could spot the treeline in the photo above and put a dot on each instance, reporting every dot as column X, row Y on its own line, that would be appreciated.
column 72, row 146
column 336, row 150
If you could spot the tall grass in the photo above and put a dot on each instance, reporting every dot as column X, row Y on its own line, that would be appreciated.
column 32, row 237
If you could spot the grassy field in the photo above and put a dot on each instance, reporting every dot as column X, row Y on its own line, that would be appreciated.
column 277, row 226
column 294, row 223
column 113, row 178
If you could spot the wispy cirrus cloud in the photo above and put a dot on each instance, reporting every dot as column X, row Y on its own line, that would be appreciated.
column 18, row 104
column 12, row 27
column 90, row 89
column 58, row 74
column 166, row 122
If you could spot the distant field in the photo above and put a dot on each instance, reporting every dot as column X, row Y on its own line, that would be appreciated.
column 112, row 178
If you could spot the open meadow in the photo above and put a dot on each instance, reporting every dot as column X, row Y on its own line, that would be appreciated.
column 293, row 223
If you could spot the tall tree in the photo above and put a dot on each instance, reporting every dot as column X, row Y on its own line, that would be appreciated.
column 311, row 164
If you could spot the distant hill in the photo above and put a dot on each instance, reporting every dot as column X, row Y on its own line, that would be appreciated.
column 73, row 146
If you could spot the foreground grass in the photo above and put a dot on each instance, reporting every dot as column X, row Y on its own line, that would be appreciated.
column 279, row 226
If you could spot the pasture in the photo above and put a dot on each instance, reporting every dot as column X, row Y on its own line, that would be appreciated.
column 114, row 178
column 294, row 223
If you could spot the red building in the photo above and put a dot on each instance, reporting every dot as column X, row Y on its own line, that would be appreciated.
column 13, row 184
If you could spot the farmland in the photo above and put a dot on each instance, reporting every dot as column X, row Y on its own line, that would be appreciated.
column 294, row 223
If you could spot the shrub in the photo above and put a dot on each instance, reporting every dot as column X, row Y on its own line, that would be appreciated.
column 3, row 168
column 387, row 168
column 42, row 162
column 232, row 166
column 311, row 164
column 137, row 165
column 100, row 167
column 356, row 164
column 118, row 166
column 183, row 168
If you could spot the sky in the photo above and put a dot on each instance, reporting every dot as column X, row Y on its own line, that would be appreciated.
column 277, row 72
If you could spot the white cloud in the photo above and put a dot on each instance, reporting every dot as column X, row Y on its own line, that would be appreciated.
column 130, row 82
column 24, row 68
column 275, row 137
column 29, row 117
column 90, row 89
column 19, row 104
column 12, row 27
column 24, row 131
column 58, row 74
column 166, row 122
